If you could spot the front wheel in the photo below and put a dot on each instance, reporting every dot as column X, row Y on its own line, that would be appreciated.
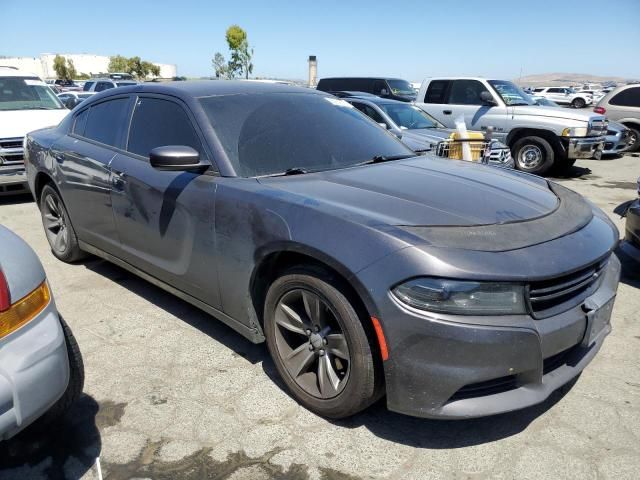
column 318, row 344
column 633, row 144
column 533, row 155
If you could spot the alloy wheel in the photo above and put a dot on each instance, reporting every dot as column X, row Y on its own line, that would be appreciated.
column 530, row 157
column 55, row 224
column 633, row 139
column 311, row 344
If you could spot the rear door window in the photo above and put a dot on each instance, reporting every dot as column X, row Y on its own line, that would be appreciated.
column 157, row 123
column 437, row 91
column 627, row 98
column 106, row 121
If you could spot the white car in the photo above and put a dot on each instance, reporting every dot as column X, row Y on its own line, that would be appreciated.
column 26, row 104
column 564, row 96
column 71, row 99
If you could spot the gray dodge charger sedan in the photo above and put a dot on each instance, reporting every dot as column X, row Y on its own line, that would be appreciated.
column 457, row 290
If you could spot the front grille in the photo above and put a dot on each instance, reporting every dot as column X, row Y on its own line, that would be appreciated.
column 598, row 127
column 11, row 152
column 550, row 297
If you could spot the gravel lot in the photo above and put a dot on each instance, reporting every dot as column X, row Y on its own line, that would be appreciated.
column 173, row 394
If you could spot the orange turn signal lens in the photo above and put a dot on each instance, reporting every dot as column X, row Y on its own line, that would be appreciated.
column 24, row 310
column 382, row 342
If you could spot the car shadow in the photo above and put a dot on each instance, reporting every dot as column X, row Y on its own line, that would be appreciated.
column 65, row 448
column 16, row 199
column 574, row 172
column 186, row 312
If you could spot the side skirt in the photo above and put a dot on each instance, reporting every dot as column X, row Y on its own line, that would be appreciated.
column 251, row 334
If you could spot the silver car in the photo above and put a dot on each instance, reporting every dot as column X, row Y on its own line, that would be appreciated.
column 622, row 105
column 41, row 369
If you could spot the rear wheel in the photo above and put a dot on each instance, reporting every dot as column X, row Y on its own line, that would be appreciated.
column 578, row 103
column 57, row 226
column 318, row 343
column 533, row 155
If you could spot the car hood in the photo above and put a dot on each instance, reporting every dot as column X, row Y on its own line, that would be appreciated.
column 17, row 123
column 554, row 112
column 423, row 191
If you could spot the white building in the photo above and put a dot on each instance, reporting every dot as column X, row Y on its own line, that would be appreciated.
column 84, row 63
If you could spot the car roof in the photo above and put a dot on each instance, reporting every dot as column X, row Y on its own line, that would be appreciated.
column 208, row 88
column 14, row 72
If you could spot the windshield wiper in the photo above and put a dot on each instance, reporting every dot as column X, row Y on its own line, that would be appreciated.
column 387, row 158
column 288, row 171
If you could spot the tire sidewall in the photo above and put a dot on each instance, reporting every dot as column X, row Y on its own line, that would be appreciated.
column 543, row 145
column 636, row 145
column 578, row 103
column 72, row 252
column 360, row 384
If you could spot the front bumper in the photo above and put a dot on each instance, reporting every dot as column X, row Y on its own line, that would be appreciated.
column 583, row 147
column 34, row 371
column 13, row 180
column 631, row 243
column 616, row 143
column 454, row 367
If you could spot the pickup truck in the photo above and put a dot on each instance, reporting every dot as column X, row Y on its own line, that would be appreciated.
column 26, row 104
column 540, row 138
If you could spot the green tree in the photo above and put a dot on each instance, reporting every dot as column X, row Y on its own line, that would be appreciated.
column 118, row 63
column 60, row 67
column 241, row 53
column 219, row 65
column 71, row 70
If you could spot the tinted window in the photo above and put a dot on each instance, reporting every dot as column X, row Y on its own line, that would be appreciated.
column 466, row 92
column 436, row 91
column 627, row 98
column 106, row 120
column 538, row 89
column 103, row 86
column 265, row 134
column 348, row 84
column 369, row 112
column 80, row 122
column 157, row 123
column 554, row 90
column 380, row 85
column 87, row 86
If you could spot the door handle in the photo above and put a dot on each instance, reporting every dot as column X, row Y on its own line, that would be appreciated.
column 118, row 179
column 59, row 156
column 446, row 112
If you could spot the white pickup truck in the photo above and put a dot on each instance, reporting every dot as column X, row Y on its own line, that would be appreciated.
column 539, row 137
column 26, row 104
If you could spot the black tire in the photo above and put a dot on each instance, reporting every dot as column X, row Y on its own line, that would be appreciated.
column 363, row 384
column 54, row 212
column 578, row 103
column 74, row 387
column 635, row 136
column 538, row 147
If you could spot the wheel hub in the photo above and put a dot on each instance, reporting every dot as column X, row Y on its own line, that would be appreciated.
column 317, row 341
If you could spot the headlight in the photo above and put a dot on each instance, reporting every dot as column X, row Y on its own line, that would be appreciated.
column 575, row 132
column 462, row 298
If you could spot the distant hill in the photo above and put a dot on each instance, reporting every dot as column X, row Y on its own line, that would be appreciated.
column 567, row 79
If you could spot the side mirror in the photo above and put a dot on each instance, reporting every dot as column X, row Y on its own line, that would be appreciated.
column 384, row 92
column 175, row 158
column 72, row 102
column 487, row 99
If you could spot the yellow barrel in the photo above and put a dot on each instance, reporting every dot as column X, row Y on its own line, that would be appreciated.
column 455, row 148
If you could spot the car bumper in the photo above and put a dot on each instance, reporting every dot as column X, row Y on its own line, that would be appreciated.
column 584, row 147
column 615, row 143
column 631, row 243
column 441, row 367
column 13, row 180
column 34, row 371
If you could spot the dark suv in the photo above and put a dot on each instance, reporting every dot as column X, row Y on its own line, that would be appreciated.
column 393, row 88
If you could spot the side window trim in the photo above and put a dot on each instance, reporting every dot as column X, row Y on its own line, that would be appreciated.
column 192, row 120
column 120, row 134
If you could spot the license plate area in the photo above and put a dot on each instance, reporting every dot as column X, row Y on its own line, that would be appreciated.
column 597, row 320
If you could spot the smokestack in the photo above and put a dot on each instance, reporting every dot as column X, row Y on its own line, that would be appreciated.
column 313, row 71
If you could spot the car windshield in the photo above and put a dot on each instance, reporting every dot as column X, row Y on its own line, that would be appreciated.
column 409, row 117
column 270, row 133
column 511, row 93
column 27, row 93
column 401, row 87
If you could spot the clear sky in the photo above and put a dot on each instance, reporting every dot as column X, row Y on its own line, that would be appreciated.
column 404, row 38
